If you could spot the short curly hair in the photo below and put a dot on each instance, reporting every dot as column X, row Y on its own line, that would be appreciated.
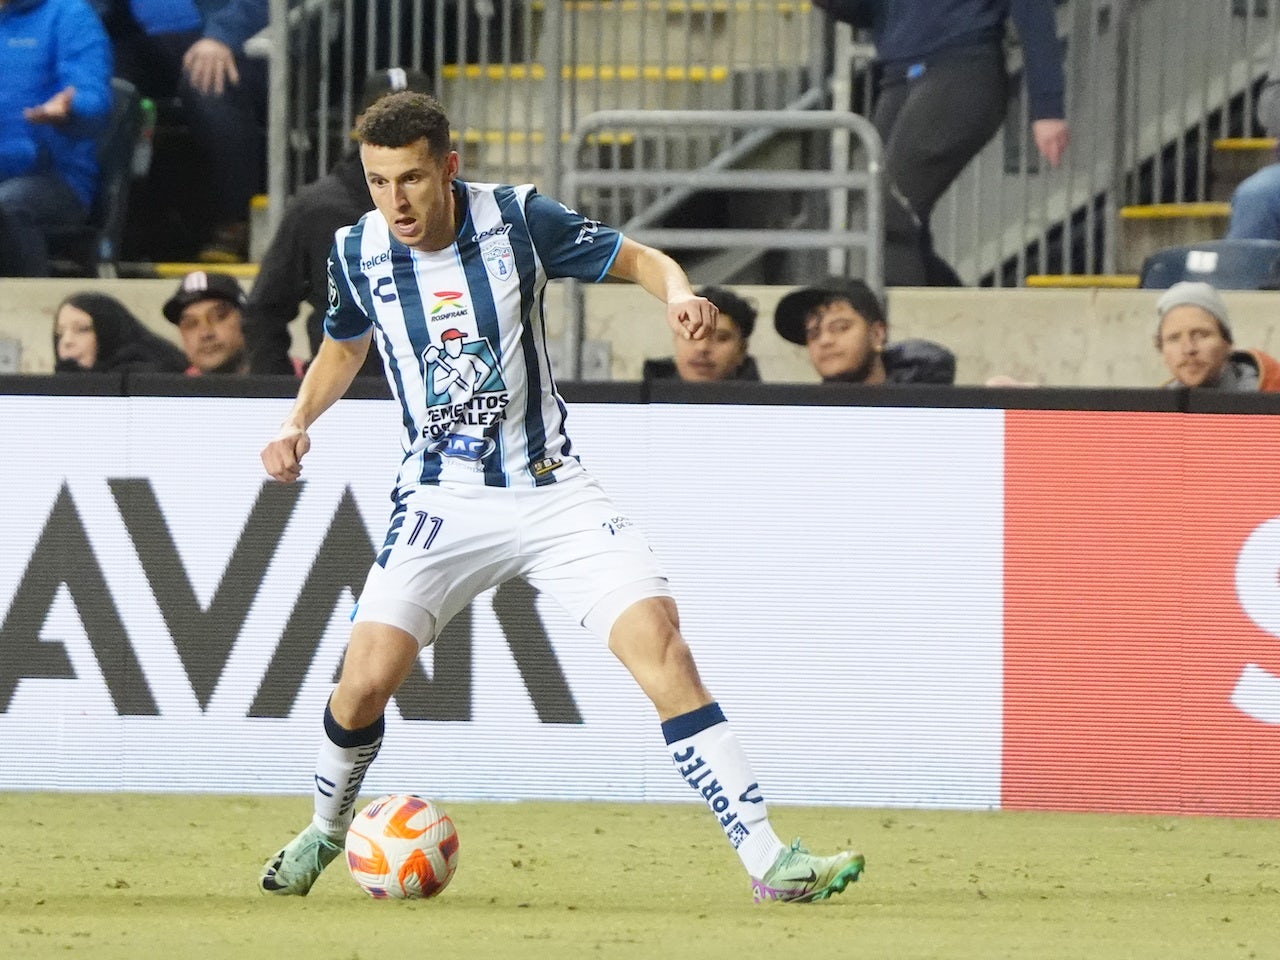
column 402, row 118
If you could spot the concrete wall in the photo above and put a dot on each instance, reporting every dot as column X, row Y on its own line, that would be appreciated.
column 1054, row 337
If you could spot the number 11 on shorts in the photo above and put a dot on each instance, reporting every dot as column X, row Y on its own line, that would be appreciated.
column 425, row 519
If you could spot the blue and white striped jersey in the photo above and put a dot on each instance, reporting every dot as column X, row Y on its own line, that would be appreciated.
column 462, row 331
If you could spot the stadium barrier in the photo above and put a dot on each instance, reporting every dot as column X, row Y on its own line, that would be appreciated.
column 1050, row 599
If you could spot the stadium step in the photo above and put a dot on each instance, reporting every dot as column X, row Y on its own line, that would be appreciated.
column 733, row 32
column 1145, row 229
column 1235, row 158
column 489, row 95
column 519, row 156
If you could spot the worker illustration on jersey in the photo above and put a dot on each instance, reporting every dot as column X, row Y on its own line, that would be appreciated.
column 461, row 368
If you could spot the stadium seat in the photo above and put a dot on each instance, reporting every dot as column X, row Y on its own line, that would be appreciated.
column 93, row 248
column 1227, row 264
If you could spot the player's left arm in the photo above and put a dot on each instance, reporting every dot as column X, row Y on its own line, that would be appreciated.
column 689, row 315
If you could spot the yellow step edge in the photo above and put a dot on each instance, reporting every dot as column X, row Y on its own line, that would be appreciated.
column 1115, row 281
column 522, row 71
column 684, row 6
column 1176, row 211
column 179, row 270
column 1246, row 143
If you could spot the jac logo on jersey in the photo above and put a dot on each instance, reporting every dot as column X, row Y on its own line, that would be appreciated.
column 199, row 649
column 464, row 447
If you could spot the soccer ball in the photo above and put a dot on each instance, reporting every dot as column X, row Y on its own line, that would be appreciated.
column 402, row 847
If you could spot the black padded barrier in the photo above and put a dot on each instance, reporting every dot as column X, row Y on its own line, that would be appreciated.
column 676, row 392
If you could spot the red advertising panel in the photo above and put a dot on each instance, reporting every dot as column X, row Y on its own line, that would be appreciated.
column 1142, row 613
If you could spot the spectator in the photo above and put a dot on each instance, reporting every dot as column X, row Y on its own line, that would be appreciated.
column 208, row 310
column 54, row 101
column 194, row 50
column 942, row 93
column 96, row 333
column 844, row 327
column 1193, row 335
column 1255, row 204
column 294, row 267
column 721, row 356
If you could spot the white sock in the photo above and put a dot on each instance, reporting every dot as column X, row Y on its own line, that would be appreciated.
column 344, row 758
column 711, row 760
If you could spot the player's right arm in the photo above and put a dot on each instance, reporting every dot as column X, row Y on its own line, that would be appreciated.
column 335, row 365
column 332, row 369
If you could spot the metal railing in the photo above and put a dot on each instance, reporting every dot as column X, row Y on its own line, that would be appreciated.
column 782, row 192
column 1151, row 85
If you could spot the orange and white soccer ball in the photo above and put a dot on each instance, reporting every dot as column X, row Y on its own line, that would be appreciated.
column 402, row 847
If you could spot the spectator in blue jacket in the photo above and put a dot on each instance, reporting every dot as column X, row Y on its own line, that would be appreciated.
column 55, row 98
column 1255, row 204
column 194, row 50
column 942, row 92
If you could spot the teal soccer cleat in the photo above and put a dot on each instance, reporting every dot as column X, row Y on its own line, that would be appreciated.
column 293, row 870
column 797, row 876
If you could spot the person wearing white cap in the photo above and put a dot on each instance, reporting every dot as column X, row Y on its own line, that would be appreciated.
column 1193, row 335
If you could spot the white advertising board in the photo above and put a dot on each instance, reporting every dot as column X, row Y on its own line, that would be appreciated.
column 170, row 619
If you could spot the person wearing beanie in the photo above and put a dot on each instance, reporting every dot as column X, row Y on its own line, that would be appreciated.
column 721, row 356
column 841, row 322
column 96, row 333
column 1194, row 337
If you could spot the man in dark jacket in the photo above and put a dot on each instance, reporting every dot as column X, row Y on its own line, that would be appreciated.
column 294, row 267
column 843, row 325
column 55, row 98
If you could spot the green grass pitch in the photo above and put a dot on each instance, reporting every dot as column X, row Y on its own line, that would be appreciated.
column 115, row 876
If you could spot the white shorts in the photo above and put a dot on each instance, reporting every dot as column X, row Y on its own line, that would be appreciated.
column 447, row 544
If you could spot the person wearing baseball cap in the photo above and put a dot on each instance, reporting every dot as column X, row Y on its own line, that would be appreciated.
column 721, row 356
column 842, row 323
column 1194, row 337
column 207, row 308
column 293, row 268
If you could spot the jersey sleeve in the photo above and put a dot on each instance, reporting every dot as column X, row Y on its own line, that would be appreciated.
column 345, row 319
column 569, row 244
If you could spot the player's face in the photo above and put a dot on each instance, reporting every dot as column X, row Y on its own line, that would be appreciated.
column 843, row 344
column 76, row 338
column 714, row 357
column 212, row 335
column 1192, row 344
column 413, row 190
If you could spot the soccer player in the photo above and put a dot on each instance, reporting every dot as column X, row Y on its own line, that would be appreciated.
column 448, row 277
